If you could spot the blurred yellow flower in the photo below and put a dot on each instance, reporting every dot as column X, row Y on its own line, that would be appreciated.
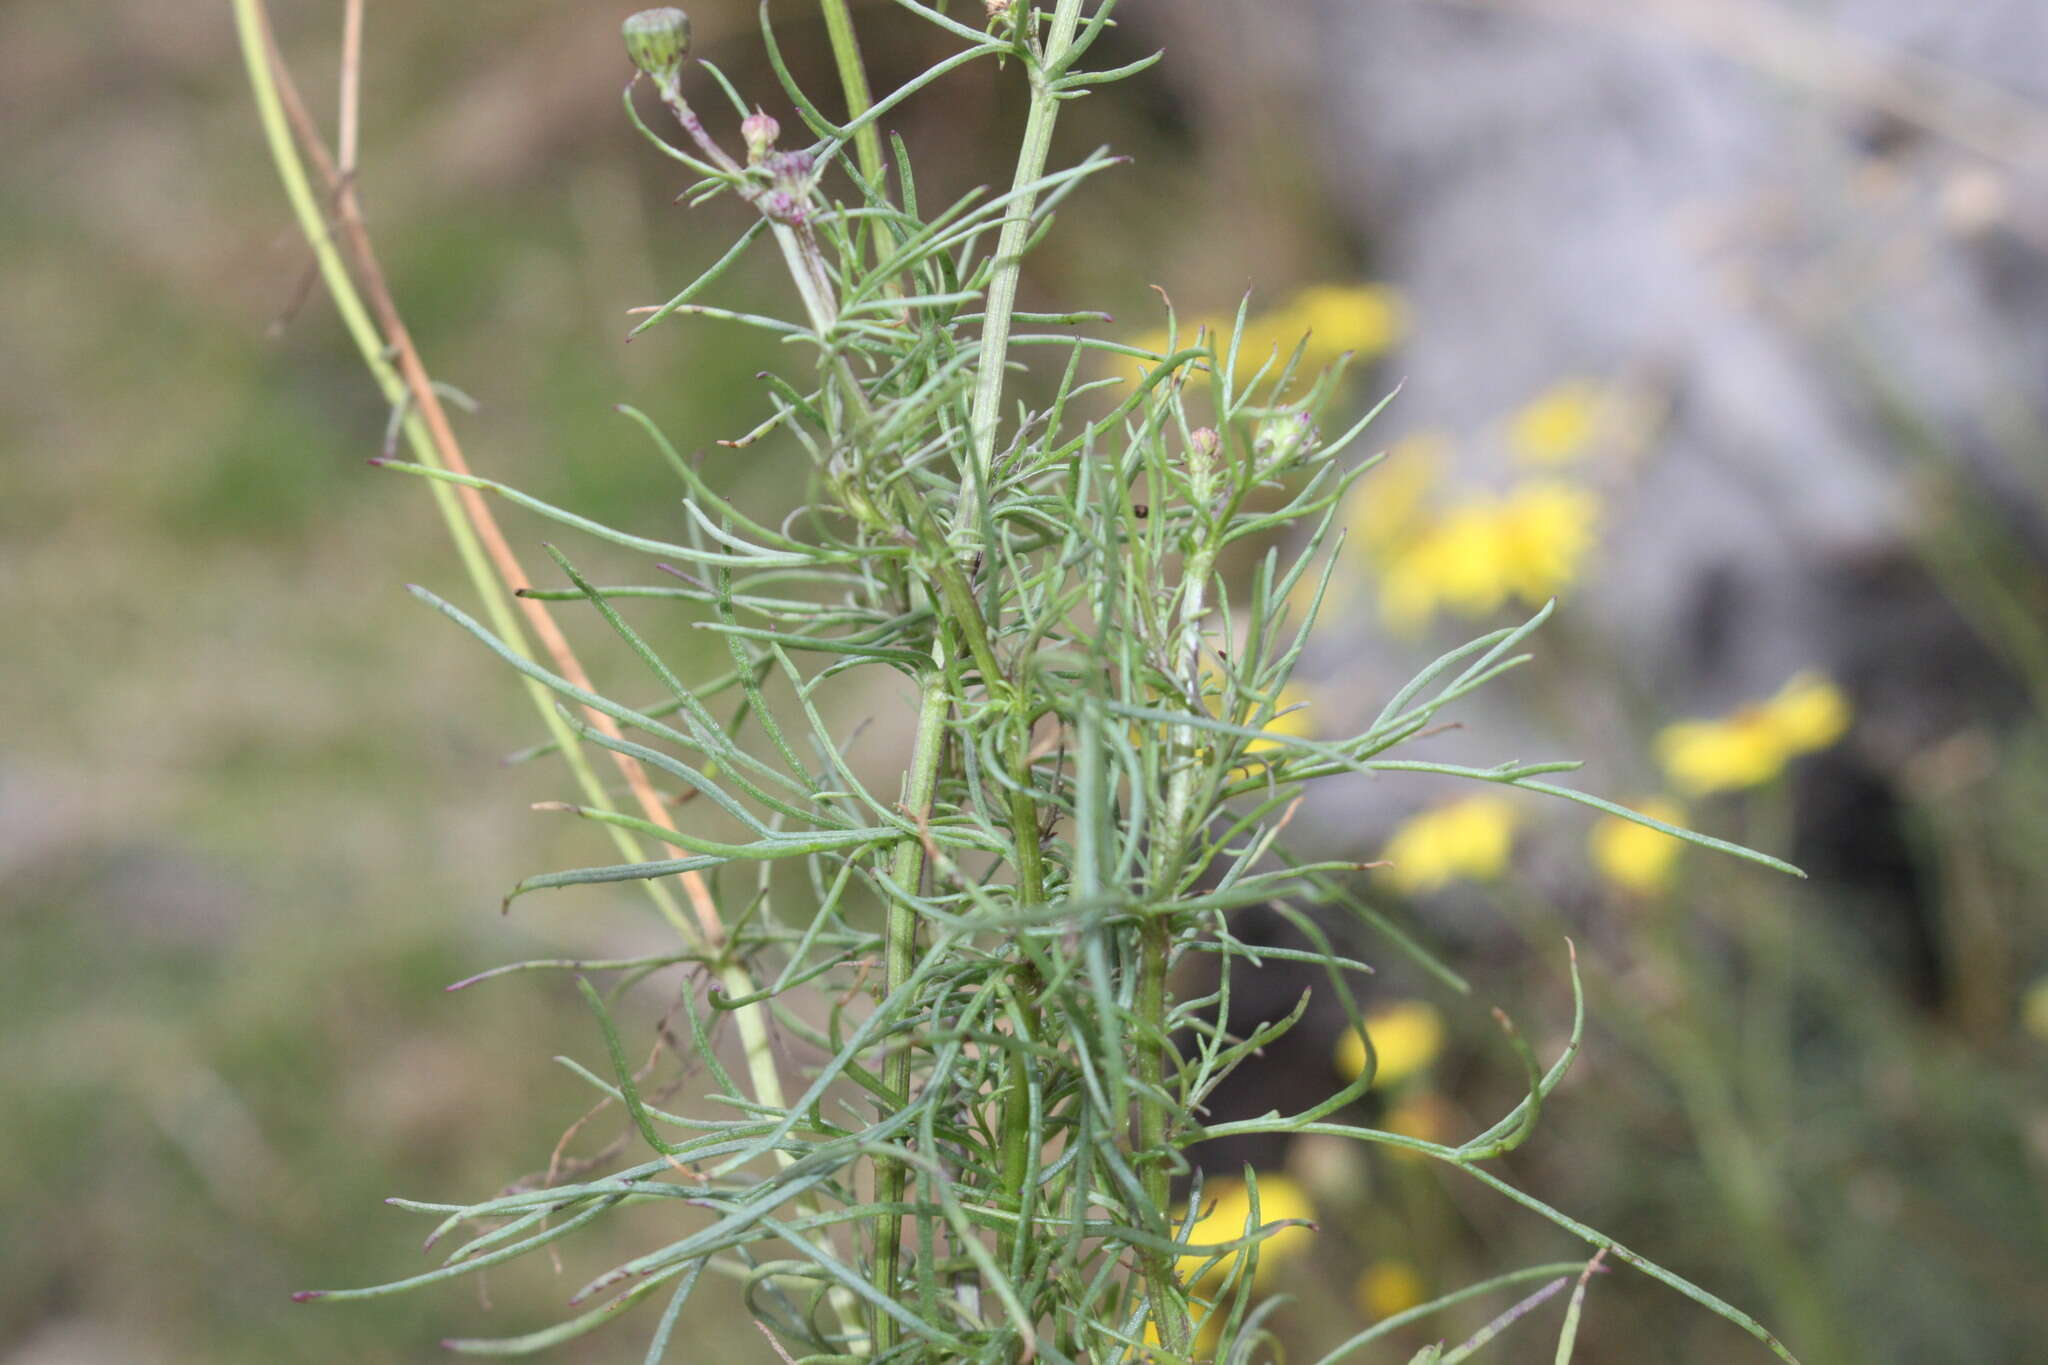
column 1296, row 719
column 1327, row 319
column 1548, row 527
column 1363, row 319
column 1465, row 839
column 1388, row 1287
column 1475, row 556
column 1229, row 1210
column 1753, row 745
column 2034, row 1010
column 1419, row 1114
column 1385, row 505
column 1380, row 511
column 1558, row 425
column 1635, row 857
column 1405, row 1037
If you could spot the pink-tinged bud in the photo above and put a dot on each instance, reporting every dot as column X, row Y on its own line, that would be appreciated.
column 996, row 9
column 657, row 40
column 759, row 132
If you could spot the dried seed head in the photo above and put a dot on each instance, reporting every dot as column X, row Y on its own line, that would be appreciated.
column 759, row 131
column 657, row 40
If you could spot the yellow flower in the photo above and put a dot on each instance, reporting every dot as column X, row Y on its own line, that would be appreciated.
column 1422, row 1115
column 2034, row 1010
column 1388, row 1287
column 1296, row 720
column 1381, row 511
column 1326, row 319
column 1558, row 425
column 1228, row 1218
column 1548, row 527
column 1364, row 319
column 1635, row 857
column 1405, row 1039
column 1385, row 505
column 1476, row 555
column 1753, row 745
column 1469, row 839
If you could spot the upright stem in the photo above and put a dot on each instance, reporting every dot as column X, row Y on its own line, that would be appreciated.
column 901, row 959
column 1155, row 941
column 1002, row 289
column 1181, row 791
column 853, row 79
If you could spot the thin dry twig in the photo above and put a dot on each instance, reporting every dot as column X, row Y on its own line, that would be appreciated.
column 339, row 182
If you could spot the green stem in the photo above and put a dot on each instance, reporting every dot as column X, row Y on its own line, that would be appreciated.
column 900, row 953
column 1180, row 797
column 1009, row 259
column 853, row 79
column 1155, row 940
column 960, row 602
column 1016, row 1147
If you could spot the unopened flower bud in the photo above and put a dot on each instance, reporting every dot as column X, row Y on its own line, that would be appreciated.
column 657, row 40
column 996, row 9
column 759, row 131
column 1280, row 439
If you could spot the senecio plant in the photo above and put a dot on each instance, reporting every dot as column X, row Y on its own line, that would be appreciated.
column 996, row 989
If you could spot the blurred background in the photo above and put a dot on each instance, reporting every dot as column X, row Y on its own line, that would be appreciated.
column 1723, row 321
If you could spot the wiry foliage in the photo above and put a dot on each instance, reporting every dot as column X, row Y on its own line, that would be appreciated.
column 979, row 1166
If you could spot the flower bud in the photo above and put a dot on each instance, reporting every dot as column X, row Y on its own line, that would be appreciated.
column 1281, row 438
column 657, row 40
column 759, row 131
